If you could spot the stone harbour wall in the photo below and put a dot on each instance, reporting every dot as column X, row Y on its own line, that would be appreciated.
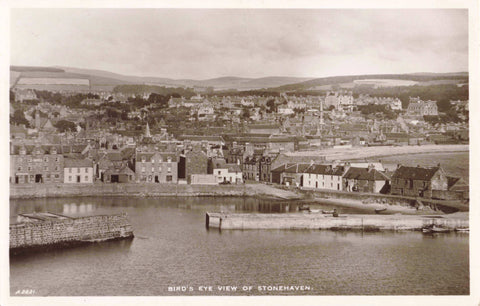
column 132, row 189
column 45, row 233
column 327, row 222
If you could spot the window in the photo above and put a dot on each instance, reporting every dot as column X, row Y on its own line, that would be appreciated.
column 69, row 178
column 69, row 170
column 29, row 168
column 45, row 159
column 219, row 172
column 78, row 170
column 57, row 176
column 153, row 169
column 143, row 169
column 45, row 168
column 86, row 178
column 56, row 159
column 169, row 169
column 169, row 178
column 86, row 170
column 56, row 168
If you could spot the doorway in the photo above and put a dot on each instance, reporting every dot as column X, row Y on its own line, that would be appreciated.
column 38, row 178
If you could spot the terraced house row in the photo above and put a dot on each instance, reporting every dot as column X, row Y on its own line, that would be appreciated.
column 426, row 182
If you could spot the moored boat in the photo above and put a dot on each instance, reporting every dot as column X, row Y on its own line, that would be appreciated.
column 379, row 210
column 435, row 229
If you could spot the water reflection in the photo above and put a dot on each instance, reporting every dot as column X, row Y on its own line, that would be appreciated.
column 172, row 247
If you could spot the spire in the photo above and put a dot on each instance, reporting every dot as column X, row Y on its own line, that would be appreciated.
column 147, row 131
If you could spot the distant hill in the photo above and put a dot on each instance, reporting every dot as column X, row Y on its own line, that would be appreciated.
column 108, row 80
column 422, row 78
column 105, row 80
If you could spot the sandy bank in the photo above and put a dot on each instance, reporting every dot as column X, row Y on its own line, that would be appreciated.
column 391, row 209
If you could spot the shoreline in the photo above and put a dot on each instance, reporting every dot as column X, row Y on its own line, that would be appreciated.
column 391, row 208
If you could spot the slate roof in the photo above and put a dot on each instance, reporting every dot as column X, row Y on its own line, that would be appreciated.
column 365, row 174
column 415, row 173
column 233, row 168
column 78, row 163
column 120, row 170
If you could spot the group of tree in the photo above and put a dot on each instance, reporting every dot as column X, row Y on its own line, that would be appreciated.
column 18, row 118
column 65, row 126
column 160, row 90
column 377, row 108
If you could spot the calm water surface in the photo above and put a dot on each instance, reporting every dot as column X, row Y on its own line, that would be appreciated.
column 172, row 248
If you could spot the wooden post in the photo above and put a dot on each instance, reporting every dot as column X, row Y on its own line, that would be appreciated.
column 207, row 221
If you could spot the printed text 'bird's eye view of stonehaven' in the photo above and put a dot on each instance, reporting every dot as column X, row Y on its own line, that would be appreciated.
column 239, row 152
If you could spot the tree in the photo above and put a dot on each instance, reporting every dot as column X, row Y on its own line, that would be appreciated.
column 18, row 118
column 246, row 114
column 12, row 96
column 271, row 105
column 64, row 125
column 112, row 113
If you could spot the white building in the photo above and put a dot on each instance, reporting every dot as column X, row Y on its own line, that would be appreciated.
column 323, row 177
column 228, row 173
column 78, row 171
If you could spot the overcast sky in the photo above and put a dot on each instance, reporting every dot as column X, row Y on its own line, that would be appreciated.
column 200, row 44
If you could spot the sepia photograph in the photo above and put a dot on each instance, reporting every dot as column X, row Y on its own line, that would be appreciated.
column 181, row 152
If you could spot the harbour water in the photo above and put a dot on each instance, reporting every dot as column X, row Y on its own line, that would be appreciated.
column 174, row 254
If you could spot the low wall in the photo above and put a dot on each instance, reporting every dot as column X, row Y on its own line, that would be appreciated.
column 133, row 189
column 320, row 221
column 45, row 233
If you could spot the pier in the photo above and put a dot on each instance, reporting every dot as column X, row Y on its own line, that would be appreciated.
column 292, row 221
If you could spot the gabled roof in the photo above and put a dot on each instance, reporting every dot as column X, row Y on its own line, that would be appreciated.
column 365, row 174
column 114, row 156
column 233, row 168
column 78, row 163
column 319, row 169
column 219, row 163
column 119, row 170
column 415, row 173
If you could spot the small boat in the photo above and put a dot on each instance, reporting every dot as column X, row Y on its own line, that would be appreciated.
column 462, row 229
column 379, row 210
column 314, row 211
column 327, row 212
column 304, row 208
column 435, row 229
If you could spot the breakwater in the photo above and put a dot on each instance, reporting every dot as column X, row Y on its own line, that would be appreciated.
column 68, row 231
column 328, row 222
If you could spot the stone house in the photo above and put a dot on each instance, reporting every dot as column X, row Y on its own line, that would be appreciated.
column 118, row 174
column 366, row 180
column 289, row 174
column 156, row 167
column 194, row 161
column 418, row 181
column 251, row 168
column 36, row 164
